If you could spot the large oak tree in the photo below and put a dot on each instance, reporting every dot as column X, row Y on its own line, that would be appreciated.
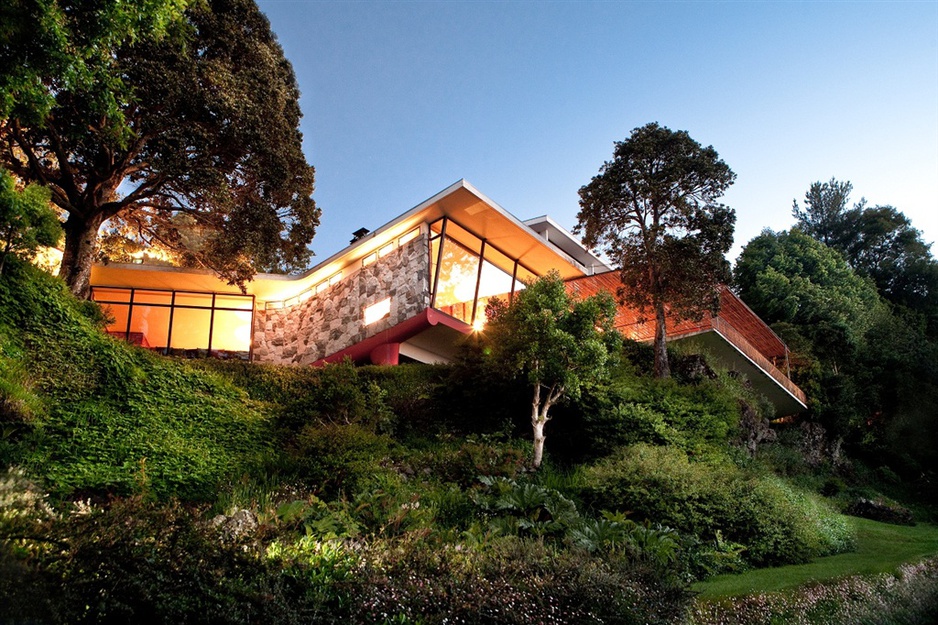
column 168, row 122
column 652, row 210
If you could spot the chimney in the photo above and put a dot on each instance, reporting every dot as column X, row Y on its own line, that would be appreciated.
column 358, row 234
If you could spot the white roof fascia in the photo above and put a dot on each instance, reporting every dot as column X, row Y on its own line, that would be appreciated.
column 557, row 234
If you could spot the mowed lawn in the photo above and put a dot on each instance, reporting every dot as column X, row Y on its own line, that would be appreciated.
column 881, row 548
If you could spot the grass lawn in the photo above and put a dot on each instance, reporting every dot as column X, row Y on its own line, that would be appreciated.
column 881, row 548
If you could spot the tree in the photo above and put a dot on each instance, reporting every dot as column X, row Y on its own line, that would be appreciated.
column 823, row 215
column 26, row 220
column 652, row 210
column 200, row 119
column 793, row 278
column 823, row 309
column 877, row 241
column 868, row 366
column 556, row 343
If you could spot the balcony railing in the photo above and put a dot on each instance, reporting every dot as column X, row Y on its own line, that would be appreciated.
column 739, row 341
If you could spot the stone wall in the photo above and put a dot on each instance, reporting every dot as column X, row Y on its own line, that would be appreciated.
column 330, row 321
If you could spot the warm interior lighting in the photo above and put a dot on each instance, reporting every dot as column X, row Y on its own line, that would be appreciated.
column 408, row 237
column 377, row 311
column 367, row 260
column 387, row 249
column 335, row 279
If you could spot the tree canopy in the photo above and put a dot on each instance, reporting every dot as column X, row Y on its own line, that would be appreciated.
column 26, row 219
column 791, row 277
column 557, row 343
column 653, row 211
column 878, row 241
column 824, row 206
column 169, row 124
column 867, row 366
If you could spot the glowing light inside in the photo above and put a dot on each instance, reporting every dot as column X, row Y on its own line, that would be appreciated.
column 377, row 311
column 407, row 238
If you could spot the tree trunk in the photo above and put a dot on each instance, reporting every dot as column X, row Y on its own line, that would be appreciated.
column 662, row 369
column 538, row 423
column 538, row 420
column 81, row 243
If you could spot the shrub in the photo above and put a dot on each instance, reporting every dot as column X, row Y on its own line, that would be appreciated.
column 510, row 581
column 775, row 523
column 338, row 459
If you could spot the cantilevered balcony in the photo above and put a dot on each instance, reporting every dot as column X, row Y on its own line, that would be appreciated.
column 736, row 336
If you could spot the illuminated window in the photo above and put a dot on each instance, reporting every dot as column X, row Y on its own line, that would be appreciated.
column 179, row 321
column 322, row 286
column 387, row 249
column 335, row 279
column 470, row 272
column 377, row 311
column 367, row 260
column 407, row 238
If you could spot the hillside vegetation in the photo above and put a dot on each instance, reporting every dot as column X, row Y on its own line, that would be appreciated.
column 137, row 488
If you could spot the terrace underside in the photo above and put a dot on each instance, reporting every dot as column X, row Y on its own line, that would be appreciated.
column 735, row 336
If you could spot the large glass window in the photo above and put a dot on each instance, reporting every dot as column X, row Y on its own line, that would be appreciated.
column 467, row 272
column 180, row 322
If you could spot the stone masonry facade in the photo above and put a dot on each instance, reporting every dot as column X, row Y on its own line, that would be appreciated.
column 333, row 320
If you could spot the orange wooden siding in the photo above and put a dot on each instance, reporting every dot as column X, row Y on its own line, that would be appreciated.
column 735, row 321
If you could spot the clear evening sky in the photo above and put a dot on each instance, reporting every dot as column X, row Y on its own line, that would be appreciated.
column 525, row 99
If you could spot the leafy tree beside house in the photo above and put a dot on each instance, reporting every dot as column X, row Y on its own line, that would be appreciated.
column 141, row 113
column 26, row 219
column 653, row 211
column 558, row 344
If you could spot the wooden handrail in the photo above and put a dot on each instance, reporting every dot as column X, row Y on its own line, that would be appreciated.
column 735, row 337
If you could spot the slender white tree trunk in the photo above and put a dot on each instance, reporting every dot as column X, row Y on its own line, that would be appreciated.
column 539, row 418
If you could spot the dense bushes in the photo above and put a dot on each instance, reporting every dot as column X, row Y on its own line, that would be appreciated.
column 699, row 411
column 774, row 523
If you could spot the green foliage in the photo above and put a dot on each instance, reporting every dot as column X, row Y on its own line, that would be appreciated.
column 790, row 277
column 340, row 458
column 868, row 368
column 653, row 211
column 700, row 417
column 878, row 242
column 558, row 344
column 191, row 103
column 775, row 523
column 96, row 415
column 510, row 581
column 26, row 220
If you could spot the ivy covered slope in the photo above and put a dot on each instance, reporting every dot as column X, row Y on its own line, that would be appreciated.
column 93, row 415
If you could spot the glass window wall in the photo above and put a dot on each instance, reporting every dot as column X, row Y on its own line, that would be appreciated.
column 467, row 272
column 180, row 322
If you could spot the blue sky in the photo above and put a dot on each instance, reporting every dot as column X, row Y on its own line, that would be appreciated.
column 525, row 99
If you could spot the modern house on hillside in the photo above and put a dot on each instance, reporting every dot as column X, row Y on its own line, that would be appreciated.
column 405, row 292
